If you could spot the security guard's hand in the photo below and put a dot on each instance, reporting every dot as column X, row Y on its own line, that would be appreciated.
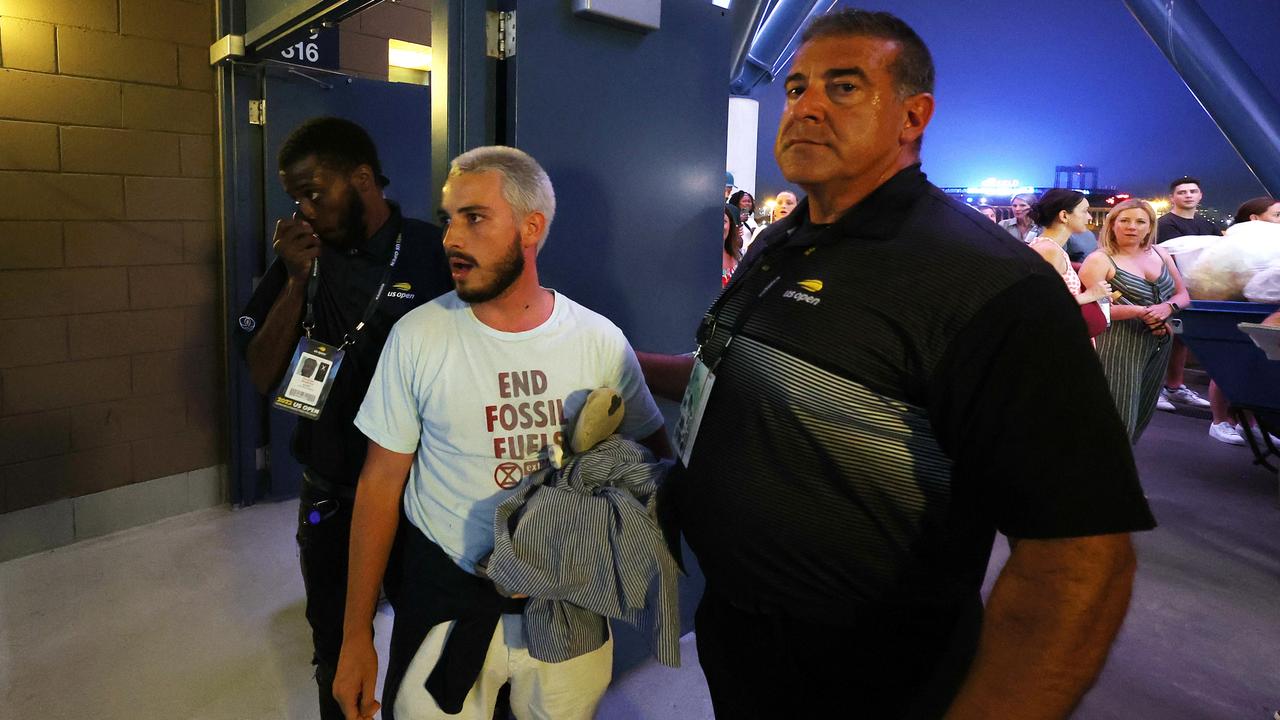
column 297, row 244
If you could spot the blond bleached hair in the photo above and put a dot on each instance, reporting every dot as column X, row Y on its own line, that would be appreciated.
column 525, row 185
column 1107, row 238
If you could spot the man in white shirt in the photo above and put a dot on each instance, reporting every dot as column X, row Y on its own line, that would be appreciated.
column 469, row 390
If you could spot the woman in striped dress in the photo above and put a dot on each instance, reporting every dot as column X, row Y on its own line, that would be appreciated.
column 1135, row 349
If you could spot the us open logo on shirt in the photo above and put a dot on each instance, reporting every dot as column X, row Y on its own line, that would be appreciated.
column 401, row 291
column 807, row 292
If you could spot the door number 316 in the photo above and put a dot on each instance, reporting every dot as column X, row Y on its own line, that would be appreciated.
column 303, row 50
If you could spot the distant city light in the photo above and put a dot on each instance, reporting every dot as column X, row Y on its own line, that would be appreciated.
column 999, row 188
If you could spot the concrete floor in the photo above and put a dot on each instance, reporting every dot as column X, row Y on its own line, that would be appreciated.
column 200, row 616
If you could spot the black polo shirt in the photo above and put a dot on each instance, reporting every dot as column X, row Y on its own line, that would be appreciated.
column 331, row 444
column 906, row 382
column 1171, row 226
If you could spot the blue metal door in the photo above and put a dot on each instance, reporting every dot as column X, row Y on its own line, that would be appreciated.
column 631, row 128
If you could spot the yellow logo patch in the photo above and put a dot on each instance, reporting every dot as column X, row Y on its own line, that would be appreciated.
column 812, row 286
column 402, row 287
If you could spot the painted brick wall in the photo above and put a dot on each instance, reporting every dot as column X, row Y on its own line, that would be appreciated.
column 108, row 248
column 362, row 40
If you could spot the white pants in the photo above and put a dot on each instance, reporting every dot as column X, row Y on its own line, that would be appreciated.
column 568, row 690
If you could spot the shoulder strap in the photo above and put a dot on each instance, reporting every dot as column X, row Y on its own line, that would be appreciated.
column 1163, row 260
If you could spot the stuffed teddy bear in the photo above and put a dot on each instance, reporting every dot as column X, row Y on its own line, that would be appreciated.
column 599, row 418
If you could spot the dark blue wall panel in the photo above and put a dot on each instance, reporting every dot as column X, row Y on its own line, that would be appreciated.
column 631, row 128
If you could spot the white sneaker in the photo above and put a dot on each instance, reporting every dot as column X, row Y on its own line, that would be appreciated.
column 1257, row 435
column 1162, row 402
column 1225, row 432
column 1183, row 395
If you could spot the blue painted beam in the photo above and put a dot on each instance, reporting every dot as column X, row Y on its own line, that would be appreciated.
column 1223, row 83
column 746, row 17
column 769, row 47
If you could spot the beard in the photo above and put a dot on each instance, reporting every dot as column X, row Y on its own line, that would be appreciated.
column 350, row 231
column 507, row 270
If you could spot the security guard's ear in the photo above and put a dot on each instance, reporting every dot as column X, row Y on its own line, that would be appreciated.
column 919, row 111
column 363, row 179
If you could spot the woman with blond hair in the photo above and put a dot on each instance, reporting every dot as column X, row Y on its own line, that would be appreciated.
column 1135, row 350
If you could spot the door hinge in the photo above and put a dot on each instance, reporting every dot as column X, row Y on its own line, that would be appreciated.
column 258, row 112
column 500, row 34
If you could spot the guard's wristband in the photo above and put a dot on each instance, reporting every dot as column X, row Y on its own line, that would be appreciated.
column 1175, row 307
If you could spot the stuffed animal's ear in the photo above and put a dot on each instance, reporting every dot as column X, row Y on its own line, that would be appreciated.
column 600, row 417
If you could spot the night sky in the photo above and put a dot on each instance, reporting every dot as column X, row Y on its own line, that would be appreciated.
column 1026, row 86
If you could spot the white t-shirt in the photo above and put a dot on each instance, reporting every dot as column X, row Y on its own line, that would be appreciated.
column 478, row 405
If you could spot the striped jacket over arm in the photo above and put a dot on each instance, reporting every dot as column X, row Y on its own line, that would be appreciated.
column 584, row 545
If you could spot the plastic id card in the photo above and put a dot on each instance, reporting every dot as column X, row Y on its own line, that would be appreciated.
column 691, row 408
column 307, row 382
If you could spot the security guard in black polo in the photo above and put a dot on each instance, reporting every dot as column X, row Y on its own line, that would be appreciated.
column 348, row 266
column 887, row 381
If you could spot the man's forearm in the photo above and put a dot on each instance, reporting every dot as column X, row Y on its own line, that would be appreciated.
column 269, row 352
column 1050, row 622
column 373, row 530
column 666, row 375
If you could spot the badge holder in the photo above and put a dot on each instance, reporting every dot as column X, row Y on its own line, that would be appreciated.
column 315, row 364
column 692, row 407
column 703, row 376
column 309, row 379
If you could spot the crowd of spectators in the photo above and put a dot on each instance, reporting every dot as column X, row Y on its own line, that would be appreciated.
column 1129, row 288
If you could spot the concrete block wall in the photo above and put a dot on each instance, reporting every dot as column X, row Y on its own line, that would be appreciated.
column 109, row 371
column 362, row 40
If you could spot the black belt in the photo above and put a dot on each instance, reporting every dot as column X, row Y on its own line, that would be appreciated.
column 315, row 480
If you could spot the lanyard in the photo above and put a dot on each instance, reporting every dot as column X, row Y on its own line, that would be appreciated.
column 710, row 321
column 314, row 282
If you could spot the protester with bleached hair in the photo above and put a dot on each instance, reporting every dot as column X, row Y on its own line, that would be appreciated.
column 470, row 390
